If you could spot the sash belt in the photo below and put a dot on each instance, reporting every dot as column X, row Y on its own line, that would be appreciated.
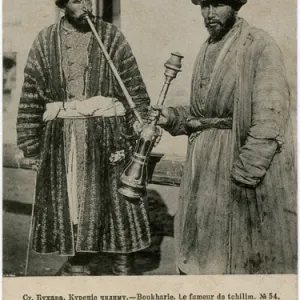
column 97, row 106
column 195, row 125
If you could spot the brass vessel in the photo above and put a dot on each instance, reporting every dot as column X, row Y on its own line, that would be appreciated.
column 134, row 179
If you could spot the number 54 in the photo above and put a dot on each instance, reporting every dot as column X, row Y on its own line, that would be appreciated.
column 271, row 296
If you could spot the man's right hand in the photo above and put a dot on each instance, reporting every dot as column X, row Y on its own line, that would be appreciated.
column 19, row 156
column 162, row 110
column 52, row 111
column 37, row 165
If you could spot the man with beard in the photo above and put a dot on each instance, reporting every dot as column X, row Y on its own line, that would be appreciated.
column 74, row 118
column 237, row 201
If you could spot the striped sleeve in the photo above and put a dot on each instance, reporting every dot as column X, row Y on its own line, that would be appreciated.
column 31, row 107
column 132, row 78
column 270, row 106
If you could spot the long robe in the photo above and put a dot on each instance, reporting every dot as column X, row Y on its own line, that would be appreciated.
column 106, row 222
column 237, row 201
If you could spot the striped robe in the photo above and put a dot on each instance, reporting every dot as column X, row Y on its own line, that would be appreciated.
column 106, row 221
column 237, row 203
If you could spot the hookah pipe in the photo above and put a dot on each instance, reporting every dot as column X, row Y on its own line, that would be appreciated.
column 135, row 175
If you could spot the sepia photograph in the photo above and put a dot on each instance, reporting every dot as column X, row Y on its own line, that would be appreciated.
column 147, row 138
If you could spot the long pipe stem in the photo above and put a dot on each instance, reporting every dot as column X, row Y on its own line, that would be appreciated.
column 113, row 68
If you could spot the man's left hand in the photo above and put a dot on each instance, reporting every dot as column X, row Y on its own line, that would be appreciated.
column 138, row 127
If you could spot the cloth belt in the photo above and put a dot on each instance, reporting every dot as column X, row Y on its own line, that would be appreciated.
column 195, row 125
column 97, row 106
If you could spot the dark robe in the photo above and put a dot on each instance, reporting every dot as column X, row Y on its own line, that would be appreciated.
column 106, row 221
column 237, row 204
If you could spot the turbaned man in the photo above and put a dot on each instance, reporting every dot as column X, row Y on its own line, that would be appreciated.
column 74, row 118
column 237, row 202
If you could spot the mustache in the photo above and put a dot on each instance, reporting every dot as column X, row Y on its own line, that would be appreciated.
column 209, row 22
column 81, row 23
column 85, row 14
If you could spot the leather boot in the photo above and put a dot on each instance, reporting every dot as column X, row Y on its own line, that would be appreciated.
column 123, row 264
column 78, row 265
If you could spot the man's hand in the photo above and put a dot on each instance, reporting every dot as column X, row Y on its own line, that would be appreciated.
column 138, row 127
column 52, row 110
column 37, row 165
column 158, row 136
column 19, row 156
column 159, row 109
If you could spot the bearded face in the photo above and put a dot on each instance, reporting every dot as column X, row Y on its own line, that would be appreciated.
column 76, row 10
column 218, row 18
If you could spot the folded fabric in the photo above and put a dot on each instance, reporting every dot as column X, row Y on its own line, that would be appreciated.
column 93, row 107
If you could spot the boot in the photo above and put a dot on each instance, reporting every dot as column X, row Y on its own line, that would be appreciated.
column 123, row 264
column 77, row 265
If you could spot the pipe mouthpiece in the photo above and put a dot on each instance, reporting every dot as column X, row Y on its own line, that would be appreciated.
column 173, row 66
column 174, row 61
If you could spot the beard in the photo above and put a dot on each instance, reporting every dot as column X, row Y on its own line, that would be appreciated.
column 80, row 23
column 217, row 29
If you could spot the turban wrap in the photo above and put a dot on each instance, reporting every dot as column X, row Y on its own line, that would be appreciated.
column 236, row 4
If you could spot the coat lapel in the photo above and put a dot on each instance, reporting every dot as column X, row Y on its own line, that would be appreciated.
column 196, row 79
column 242, row 100
column 57, row 79
column 224, row 63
